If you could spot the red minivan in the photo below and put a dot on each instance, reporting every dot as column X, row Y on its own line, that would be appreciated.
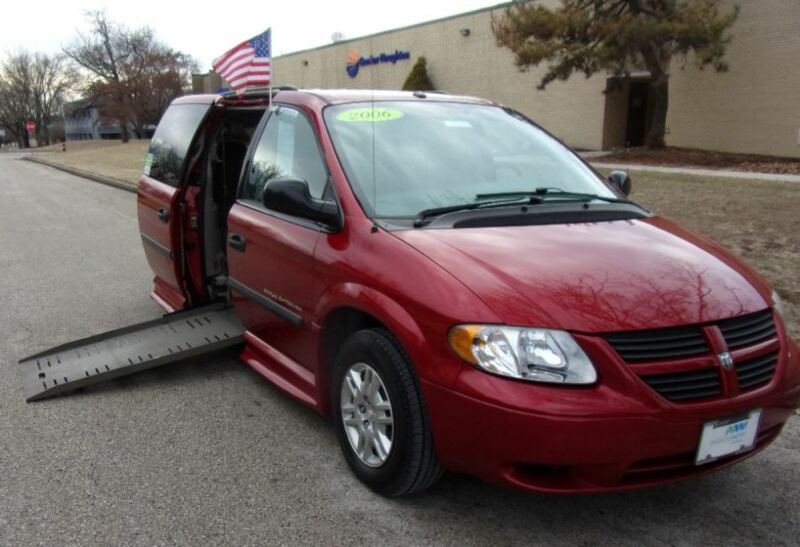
column 458, row 290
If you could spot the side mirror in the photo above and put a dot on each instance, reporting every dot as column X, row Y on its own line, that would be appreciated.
column 621, row 181
column 291, row 197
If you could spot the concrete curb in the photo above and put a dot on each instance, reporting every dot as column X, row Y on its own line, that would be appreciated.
column 25, row 151
column 109, row 181
column 698, row 172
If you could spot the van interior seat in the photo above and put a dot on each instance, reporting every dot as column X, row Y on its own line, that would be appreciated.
column 231, row 154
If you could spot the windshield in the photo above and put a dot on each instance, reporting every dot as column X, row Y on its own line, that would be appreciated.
column 406, row 157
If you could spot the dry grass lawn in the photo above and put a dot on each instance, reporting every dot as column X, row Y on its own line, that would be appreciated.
column 757, row 220
column 108, row 158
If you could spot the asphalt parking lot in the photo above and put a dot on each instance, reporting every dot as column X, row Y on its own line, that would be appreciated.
column 206, row 452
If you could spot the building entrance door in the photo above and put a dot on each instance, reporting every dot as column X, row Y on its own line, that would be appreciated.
column 637, row 114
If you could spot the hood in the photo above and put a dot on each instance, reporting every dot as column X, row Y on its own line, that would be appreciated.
column 596, row 277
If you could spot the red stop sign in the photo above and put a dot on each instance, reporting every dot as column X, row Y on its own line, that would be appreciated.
column 30, row 126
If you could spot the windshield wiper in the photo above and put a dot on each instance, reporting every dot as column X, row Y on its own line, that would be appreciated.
column 547, row 191
column 558, row 192
column 516, row 198
column 524, row 199
column 505, row 195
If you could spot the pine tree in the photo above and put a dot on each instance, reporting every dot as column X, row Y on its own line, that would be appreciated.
column 613, row 36
column 418, row 79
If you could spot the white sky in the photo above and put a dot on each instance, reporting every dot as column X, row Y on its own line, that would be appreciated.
column 207, row 29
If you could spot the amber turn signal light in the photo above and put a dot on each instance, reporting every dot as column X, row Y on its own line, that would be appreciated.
column 461, row 339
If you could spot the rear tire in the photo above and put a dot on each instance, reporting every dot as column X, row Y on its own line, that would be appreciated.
column 380, row 416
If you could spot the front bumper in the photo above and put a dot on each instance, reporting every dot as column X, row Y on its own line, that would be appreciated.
column 561, row 439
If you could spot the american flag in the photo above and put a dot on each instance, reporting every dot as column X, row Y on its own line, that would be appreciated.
column 248, row 64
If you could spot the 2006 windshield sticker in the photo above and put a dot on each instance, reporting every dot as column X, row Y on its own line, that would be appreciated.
column 369, row 115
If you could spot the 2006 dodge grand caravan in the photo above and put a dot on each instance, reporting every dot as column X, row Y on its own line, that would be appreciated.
column 458, row 290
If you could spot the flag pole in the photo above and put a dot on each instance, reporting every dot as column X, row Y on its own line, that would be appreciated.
column 271, row 69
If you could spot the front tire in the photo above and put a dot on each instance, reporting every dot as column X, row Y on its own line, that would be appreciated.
column 380, row 417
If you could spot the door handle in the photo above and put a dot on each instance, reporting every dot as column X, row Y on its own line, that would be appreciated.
column 163, row 215
column 237, row 242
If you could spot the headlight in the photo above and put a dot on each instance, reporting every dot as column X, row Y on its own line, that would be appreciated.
column 777, row 303
column 538, row 355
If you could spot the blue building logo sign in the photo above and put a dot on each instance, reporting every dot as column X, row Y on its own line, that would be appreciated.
column 355, row 61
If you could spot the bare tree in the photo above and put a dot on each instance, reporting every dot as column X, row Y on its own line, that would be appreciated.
column 101, row 52
column 50, row 80
column 132, row 76
column 166, row 75
column 32, row 87
column 16, row 103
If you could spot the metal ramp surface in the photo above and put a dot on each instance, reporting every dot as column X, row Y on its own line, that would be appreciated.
column 129, row 350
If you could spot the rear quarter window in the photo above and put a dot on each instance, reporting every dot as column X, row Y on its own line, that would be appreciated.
column 171, row 142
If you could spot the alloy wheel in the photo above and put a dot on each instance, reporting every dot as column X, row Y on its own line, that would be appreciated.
column 367, row 414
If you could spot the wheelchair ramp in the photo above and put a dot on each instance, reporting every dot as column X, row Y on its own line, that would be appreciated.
column 129, row 350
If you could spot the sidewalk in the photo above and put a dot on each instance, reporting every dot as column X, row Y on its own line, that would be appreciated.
column 697, row 171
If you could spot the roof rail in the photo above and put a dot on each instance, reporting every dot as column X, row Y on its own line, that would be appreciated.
column 258, row 91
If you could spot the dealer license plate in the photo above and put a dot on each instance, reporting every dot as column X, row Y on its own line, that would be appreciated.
column 727, row 437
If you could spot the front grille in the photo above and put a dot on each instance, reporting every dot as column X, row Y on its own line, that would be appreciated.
column 677, row 343
column 659, row 344
column 686, row 386
column 756, row 372
column 748, row 330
